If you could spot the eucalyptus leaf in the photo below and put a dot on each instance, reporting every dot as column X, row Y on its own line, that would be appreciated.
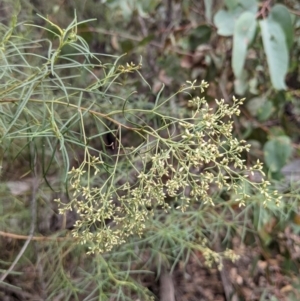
column 231, row 4
column 260, row 107
column 265, row 111
column 241, row 83
column 244, row 32
column 249, row 5
column 277, row 151
column 254, row 104
column 281, row 15
column 276, row 50
column 225, row 20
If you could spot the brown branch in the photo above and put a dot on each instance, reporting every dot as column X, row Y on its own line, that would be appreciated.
column 295, row 12
column 166, row 286
column 265, row 8
column 35, row 238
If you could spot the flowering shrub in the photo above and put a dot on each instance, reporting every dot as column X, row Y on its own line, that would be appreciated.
column 66, row 101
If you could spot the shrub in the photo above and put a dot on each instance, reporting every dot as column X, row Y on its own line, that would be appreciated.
column 123, row 161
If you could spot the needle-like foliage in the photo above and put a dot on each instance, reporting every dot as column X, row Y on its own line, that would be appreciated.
column 160, row 166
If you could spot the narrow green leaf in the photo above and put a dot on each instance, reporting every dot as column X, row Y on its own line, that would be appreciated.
column 21, row 106
column 276, row 51
column 244, row 32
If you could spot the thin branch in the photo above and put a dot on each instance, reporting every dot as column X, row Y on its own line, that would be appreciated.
column 35, row 238
column 166, row 286
column 265, row 8
column 229, row 292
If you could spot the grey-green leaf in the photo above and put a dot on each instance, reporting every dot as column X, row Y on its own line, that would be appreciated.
column 277, row 151
column 244, row 32
column 276, row 50
column 231, row 4
column 260, row 107
column 241, row 84
column 249, row 5
column 225, row 20
column 280, row 14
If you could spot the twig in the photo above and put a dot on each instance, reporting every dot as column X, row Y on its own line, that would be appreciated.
column 35, row 238
column 143, row 26
column 169, row 13
column 265, row 8
column 166, row 286
column 295, row 12
column 227, row 285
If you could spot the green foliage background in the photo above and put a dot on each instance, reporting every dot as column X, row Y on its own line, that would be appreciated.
column 244, row 48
